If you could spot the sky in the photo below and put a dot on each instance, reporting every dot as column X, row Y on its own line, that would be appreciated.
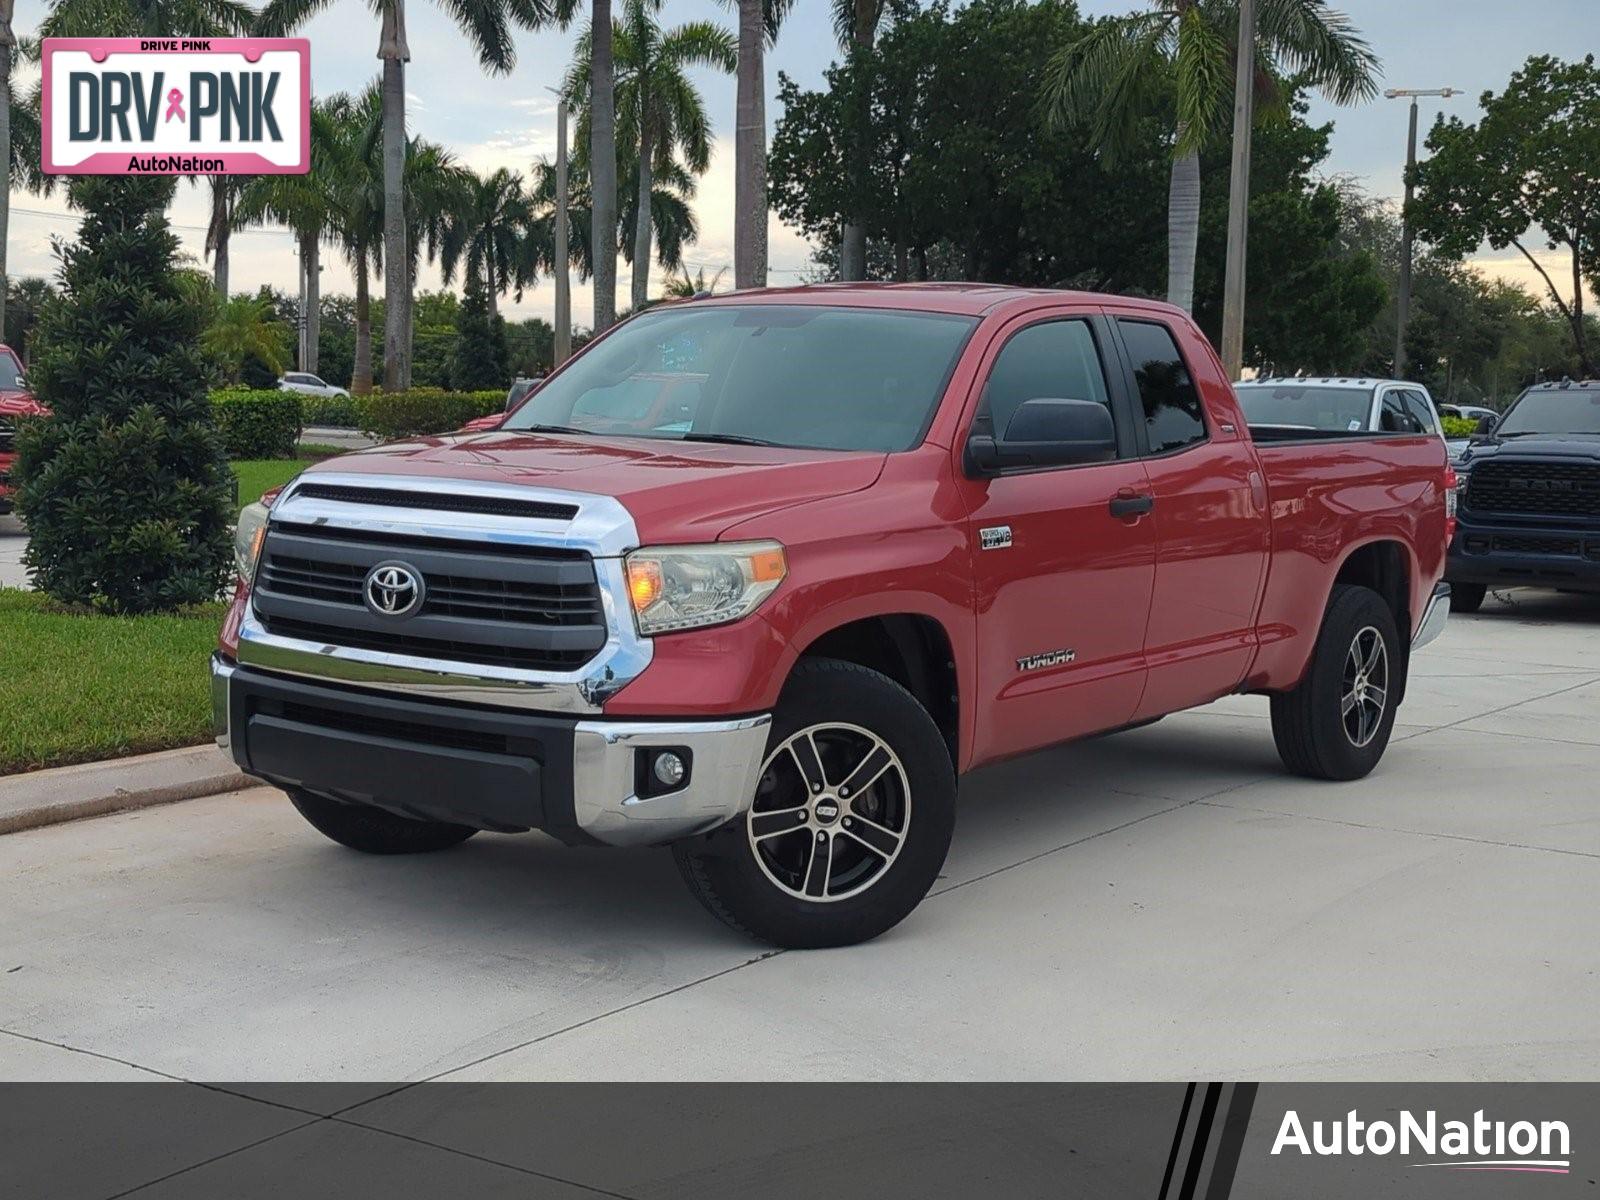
column 493, row 121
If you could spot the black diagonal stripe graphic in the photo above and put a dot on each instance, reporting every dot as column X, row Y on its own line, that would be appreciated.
column 1177, row 1141
column 1202, row 1136
column 1234, row 1126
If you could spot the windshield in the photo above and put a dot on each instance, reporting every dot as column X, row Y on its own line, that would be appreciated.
column 10, row 374
column 1553, row 412
column 785, row 375
column 1342, row 410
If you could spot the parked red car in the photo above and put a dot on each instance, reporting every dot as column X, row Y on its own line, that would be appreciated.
column 760, row 576
column 15, row 401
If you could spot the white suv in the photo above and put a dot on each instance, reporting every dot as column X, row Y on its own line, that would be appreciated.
column 309, row 385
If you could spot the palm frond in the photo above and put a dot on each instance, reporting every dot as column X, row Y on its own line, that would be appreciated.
column 1203, row 69
column 1107, row 79
column 1322, row 45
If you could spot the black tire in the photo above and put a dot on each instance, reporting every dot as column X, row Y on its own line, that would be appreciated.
column 375, row 831
column 1315, row 736
column 841, row 701
column 1467, row 597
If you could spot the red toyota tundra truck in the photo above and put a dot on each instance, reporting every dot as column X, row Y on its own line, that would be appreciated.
column 760, row 576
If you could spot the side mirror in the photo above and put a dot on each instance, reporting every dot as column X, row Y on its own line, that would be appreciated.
column 1486, row 426
column 1046, row 433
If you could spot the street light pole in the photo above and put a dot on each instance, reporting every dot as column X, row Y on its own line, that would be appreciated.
column 563, row 322
column 1239, row 193
column 1403, row 300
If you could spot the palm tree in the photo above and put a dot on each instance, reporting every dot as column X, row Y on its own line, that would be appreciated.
column 758, row 25
column 856, row 24
column 485, row 24
column 603, row 154
column 1118, row 72
column 670, row 215
column 683, row 286
column 244, row 328
column 305, row 204
column 225, row 191
column 660, row 112
column 486, row 228
column 353, row 173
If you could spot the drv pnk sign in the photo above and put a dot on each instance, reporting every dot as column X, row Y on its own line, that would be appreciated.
column 177, row 106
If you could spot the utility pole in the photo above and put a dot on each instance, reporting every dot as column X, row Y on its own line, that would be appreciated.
column 563, row 322
column 1239, row 193
column 1403, row 301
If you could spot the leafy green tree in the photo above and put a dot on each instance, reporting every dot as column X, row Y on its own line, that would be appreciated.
column 25, row 302
column 481, row 360
column 660, row 112
column 1178, row 57
column 1532, row 162
column 125, row 490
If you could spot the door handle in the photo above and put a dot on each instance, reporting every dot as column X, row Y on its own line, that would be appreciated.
column 1132, row 504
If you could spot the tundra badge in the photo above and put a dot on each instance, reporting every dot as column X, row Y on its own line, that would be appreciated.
column 996, row 537
column 1052, row 658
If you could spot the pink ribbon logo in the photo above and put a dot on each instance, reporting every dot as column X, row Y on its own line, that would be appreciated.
column 175, row 105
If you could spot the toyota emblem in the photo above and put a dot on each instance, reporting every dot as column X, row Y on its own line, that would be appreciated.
column 393, row 589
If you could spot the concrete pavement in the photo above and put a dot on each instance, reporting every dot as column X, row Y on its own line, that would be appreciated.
column 13, row 540
column 1160, row 904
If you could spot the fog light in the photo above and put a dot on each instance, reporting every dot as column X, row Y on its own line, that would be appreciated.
column 668, row 768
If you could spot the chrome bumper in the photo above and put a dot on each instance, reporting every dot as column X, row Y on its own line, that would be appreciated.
column 598, row 798
column 1433, row 617
column 726, row 758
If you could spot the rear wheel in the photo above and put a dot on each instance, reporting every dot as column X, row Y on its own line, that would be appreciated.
column 373, row 830
column 1336, row 723
column 852, row 816
column 1467, row 597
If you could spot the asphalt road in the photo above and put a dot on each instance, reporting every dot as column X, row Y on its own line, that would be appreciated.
column 13, row 540
column 1160, row 904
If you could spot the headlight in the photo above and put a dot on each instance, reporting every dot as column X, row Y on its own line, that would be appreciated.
column 685, row 587
column 247, row 538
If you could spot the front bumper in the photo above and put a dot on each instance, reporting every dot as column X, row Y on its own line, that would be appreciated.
column 1506, row 555
column 583, row 781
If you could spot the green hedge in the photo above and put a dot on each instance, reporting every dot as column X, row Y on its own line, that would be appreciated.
column 1459, row 427
column 258, row 424
column 386, row 416
column 337, row 411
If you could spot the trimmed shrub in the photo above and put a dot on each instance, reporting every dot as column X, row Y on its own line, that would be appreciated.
column 391, row 415
column 258, row 423
column 125, row 490
column 1458, row 427
column 336, row 411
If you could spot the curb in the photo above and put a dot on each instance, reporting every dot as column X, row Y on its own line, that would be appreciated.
column 51, row 797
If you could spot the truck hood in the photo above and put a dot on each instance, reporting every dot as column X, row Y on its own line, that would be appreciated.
column 1574, row 446
column 677, row 491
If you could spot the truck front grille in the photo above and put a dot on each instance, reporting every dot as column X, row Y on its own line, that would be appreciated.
column 536, row 608
column 8, row 435
column 1535, row 488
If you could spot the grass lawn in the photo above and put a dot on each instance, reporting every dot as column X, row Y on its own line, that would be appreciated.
column 76, row 686
column 257, row 475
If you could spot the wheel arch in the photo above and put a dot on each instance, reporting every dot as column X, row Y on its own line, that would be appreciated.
column 913, row 649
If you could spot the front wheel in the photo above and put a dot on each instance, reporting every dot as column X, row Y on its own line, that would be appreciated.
column 1336, row 723
column 852, row 817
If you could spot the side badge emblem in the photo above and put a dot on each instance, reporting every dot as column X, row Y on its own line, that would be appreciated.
column 996, row 537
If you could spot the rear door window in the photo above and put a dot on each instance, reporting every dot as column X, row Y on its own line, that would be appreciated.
column 1421, row 411
column 1174, row 416
column 1394, row 416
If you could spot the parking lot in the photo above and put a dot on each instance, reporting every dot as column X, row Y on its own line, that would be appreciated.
column 1156, row 904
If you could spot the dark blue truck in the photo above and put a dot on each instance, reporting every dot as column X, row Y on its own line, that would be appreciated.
column 1529, row 497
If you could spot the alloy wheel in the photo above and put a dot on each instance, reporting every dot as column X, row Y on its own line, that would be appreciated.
column 831, row 812
column 1365, row 693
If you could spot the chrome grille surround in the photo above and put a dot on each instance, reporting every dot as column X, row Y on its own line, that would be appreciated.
column 601, row 528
